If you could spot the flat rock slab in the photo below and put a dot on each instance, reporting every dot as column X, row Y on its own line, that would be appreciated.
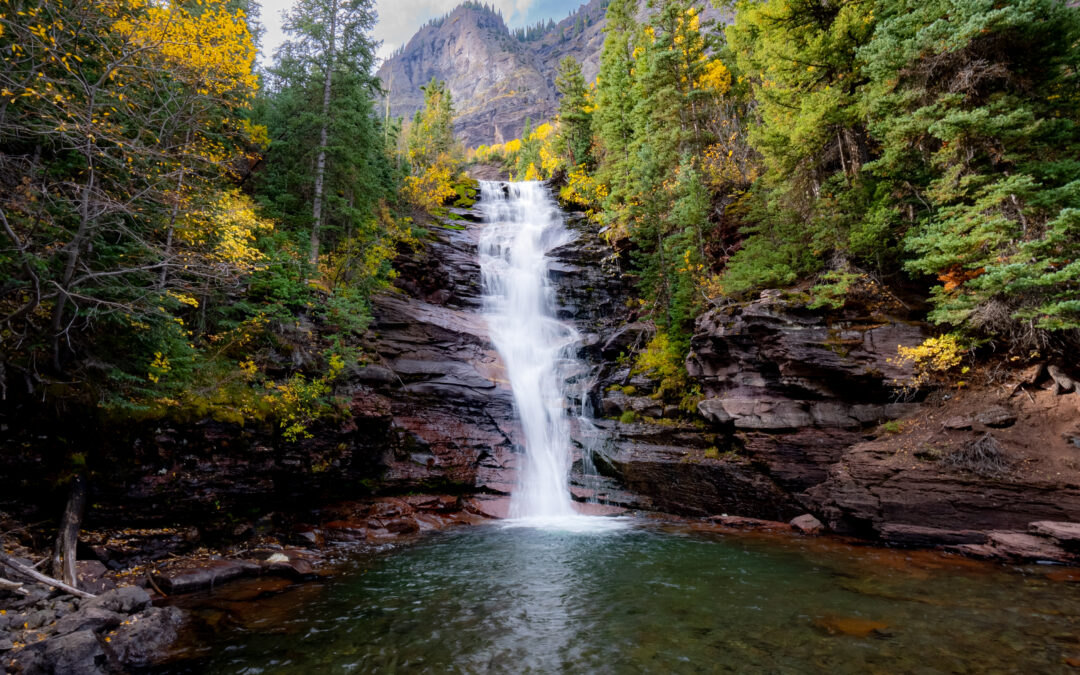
column 203, row 574
column 1021, row 546
column 491, row 507
column 346, row 530
column 958, row 423
column 292, row 568
column 593, row 509
column 91, row 618
column 1064, row 532
column 743, row 523
column 917, row 535
column 997, row 417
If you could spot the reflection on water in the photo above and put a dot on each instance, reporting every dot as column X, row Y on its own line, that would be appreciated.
column 645, row 599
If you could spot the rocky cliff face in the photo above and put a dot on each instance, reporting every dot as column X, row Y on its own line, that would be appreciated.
column 497, row 80
column 804, row 414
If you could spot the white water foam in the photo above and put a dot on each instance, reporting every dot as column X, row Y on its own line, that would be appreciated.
column 522, row 224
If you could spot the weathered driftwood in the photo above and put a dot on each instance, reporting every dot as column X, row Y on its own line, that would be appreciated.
column 13, row 586
column 64, row 556
column 30, row 573
column 1063, row 384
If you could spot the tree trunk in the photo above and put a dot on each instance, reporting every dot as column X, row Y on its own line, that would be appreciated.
column 320, row 163
column 64, row 556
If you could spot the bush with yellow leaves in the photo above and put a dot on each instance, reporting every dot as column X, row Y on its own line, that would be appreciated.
column 432, row 186
column 933, row 358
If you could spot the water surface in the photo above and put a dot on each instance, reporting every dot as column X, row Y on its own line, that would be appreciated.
column 496, row 599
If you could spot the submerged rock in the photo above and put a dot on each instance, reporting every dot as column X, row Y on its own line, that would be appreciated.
column 853, row 626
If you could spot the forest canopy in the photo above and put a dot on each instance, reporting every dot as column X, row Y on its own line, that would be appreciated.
column 185, row 233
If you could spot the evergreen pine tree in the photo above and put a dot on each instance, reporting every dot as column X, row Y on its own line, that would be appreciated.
column 575, row 115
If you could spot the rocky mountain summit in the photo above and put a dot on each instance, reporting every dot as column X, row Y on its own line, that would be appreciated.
column 497, row 79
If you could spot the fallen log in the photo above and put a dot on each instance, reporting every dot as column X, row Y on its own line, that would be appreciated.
column 30, row 573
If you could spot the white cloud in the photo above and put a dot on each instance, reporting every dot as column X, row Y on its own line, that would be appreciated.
column 398, row 19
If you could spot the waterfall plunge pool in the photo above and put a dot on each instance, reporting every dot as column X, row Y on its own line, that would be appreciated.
column 646, row 597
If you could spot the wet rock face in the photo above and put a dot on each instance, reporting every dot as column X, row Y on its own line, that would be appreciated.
column 669, row 470
column 592, row 291
column 770, row 366
column 440, row 380
column 785, row 392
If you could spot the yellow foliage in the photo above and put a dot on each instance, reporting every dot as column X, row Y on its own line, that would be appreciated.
column 227, row 229
column 298, row 402
column 433, row 186
column 935, row 356
column 660, row 361
column 584, row 191
column 258, row 134
column 211, row 50
column 715, row 78
column 358, row 261
column 183, row 298
column 159, row 367
column 542, row 132
column 549, row 160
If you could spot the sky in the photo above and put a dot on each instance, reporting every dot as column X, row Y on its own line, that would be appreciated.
column 400, row 19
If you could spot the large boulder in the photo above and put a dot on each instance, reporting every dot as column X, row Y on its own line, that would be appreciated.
column 78, row 653
column 127, row 600
column 90, row 618
column 196, row 575
column 142, row 641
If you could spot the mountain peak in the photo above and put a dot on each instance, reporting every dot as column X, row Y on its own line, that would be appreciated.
column 497, row 76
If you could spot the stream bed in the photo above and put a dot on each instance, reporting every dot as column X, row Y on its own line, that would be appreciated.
column 646, row 597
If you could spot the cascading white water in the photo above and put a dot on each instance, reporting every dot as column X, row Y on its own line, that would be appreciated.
column 523, row 223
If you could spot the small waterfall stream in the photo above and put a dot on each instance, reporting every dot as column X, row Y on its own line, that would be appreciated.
column 523, row 223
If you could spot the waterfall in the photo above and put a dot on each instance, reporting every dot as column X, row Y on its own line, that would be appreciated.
column 522, row 224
